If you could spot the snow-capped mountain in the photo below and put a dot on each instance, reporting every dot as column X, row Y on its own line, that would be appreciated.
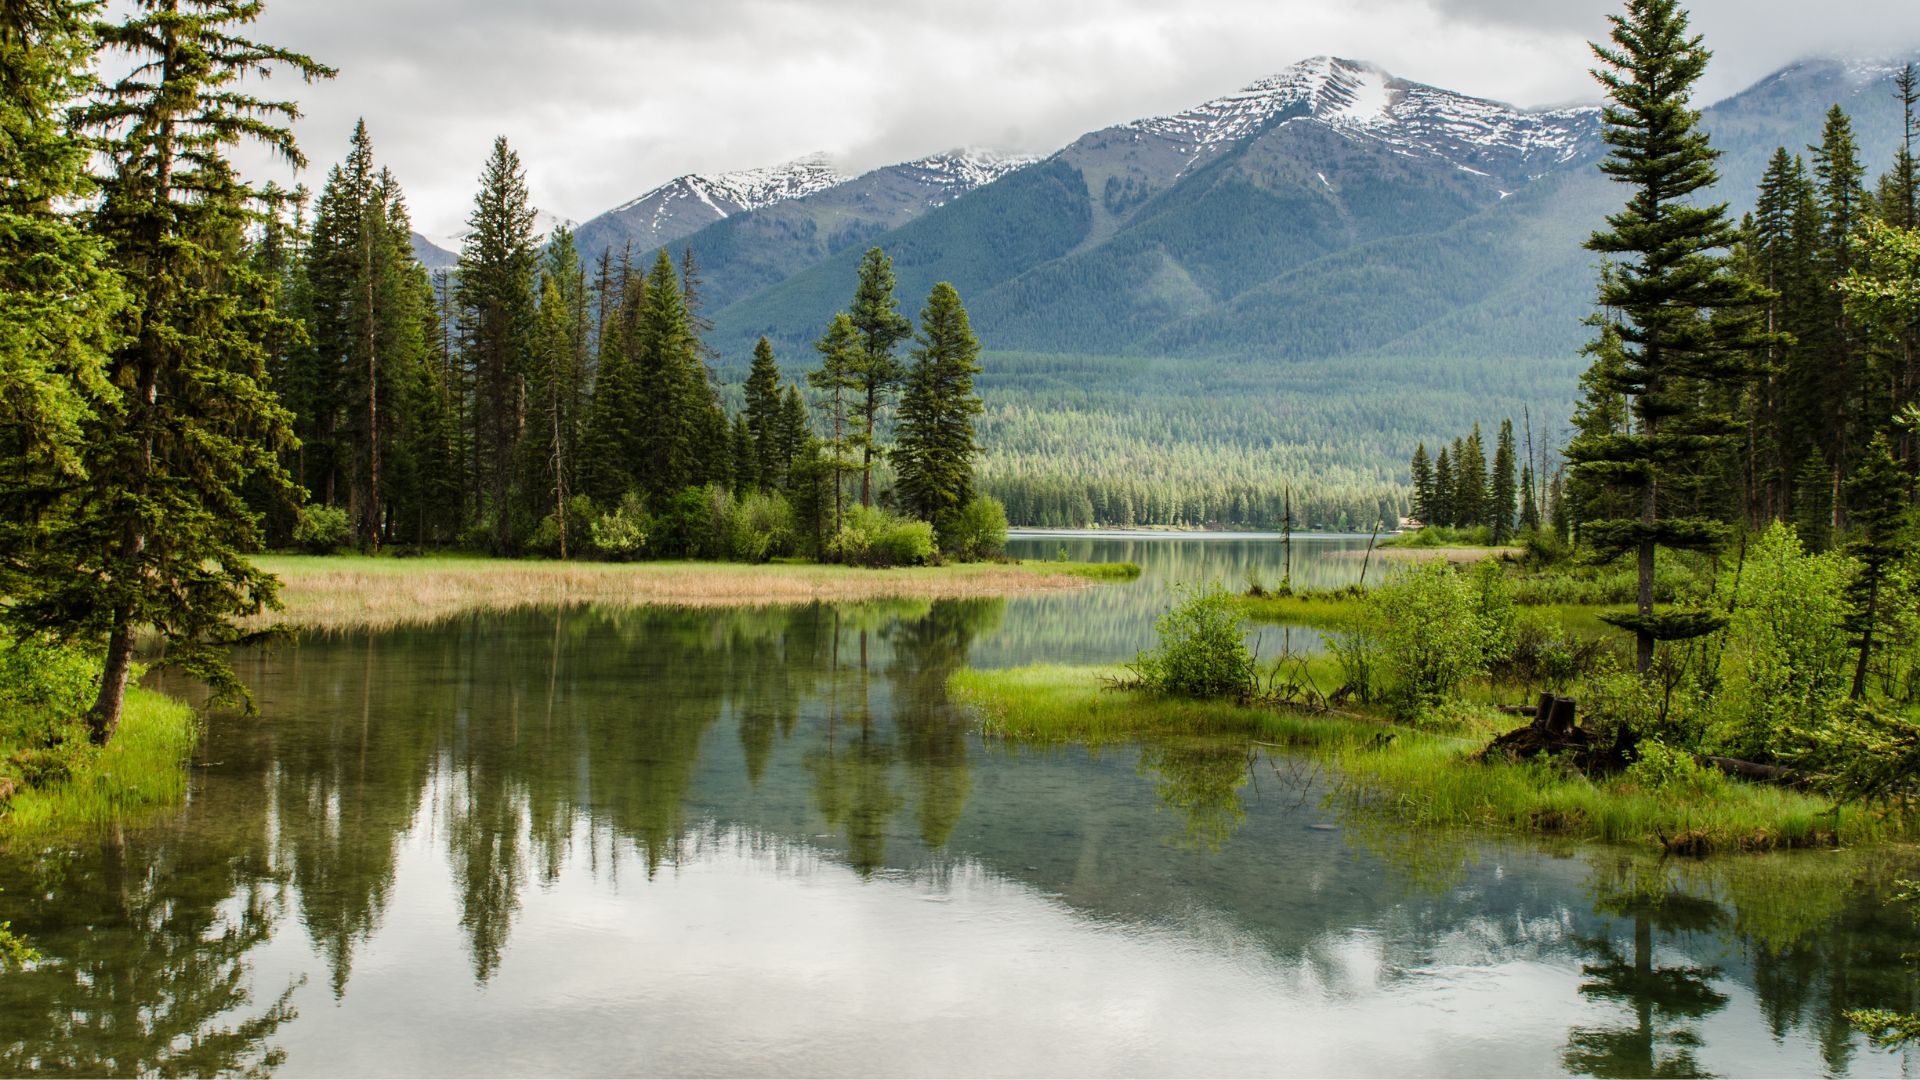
column 443, row 252
column 686, row 204
column 1364, row 101
column 956, row 172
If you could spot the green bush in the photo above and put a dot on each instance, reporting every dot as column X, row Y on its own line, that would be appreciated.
column 1431, row 633
column 1202, row 652
column 45, row 690
column 1659, row 767
column 870, row 536
column 976, row 531
column 546, row 535
column 759, row 526
column 621, row 533
column 322, row 530
column 1788, row 660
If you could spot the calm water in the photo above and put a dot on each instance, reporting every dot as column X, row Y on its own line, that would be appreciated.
column 752, row 842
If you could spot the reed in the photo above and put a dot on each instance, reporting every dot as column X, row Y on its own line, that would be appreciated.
column 339, row 592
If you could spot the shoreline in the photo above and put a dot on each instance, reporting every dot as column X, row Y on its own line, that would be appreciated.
column 337, row 592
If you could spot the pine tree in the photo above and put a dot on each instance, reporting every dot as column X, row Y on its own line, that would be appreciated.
column 839, row 379
column 763, row 410
column 58, row 296
column 934, row 456
column 876, row 318
column 1840, row 357
column 610, row 446
column 1669, row 276
column 495, row 293
column 1422, row 485
column 550, row 380
column 1470, row 500
column 794, row 434
column 675, row 421
column 1443, row 490
column 1881, row 508
column 1500, row 493
column 156, row 536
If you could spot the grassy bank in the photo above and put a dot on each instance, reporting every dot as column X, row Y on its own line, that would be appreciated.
column 1420, row 777
column 82, row 787
column 1344, row 609
column 338, row 591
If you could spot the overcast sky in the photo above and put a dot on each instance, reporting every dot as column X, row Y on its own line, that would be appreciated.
column 605, row 99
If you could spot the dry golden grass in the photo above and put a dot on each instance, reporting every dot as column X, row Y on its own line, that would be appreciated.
column 340, row 592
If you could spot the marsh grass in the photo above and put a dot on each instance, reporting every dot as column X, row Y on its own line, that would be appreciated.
column 143, row 768
column 1401, row 774
column 338, row 592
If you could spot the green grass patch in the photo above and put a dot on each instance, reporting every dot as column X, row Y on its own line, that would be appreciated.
column 1095, row 571
column 1415, row 777
column 1337, row 609
column 143, row 768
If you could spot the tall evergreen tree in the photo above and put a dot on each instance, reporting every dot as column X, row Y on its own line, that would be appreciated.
column 763, row 411
column 550, row 379
column 1839, row 190
column 610, row 445
column 1470, row 498
column 794, row 434
column 58, row 297
column 1422, row 470
column 158, row 534
column 1443, row 490
column 839, row 380
column 876, row 318
column 934, row 456
column 495, row 293
column 1500, row 491
column 1877, row 493
column 1669, row 276
column 676, row 414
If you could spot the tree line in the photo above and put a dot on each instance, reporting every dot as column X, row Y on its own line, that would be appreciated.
column 194, row 367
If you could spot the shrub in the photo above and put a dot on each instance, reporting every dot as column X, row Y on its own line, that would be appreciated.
column 1662, row 768
column 759, row 527
column 683, row 528
column 1787, row 654
column 546, row 535
column 45, row 690
column 1202, row 653
column 620, row 534
column 871, row 536
column 1432, row 636
column 322, row 530
column 976, row 531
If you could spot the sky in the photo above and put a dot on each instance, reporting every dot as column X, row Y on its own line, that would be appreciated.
column 606, row 99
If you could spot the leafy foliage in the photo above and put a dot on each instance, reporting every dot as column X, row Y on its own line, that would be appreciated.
column 1202, row 652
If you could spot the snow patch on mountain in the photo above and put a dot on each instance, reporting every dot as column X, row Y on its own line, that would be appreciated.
column 736, row 192
column 952, row 174
column 1364, row 100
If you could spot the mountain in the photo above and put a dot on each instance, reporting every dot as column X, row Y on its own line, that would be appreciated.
column 683, row 205
column 1130, row 230
column 745, row 253
column 432, row 255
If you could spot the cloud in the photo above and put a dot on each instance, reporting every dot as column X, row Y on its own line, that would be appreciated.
column 605, row 99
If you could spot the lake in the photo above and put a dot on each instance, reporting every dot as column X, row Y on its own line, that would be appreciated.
column 762, row 842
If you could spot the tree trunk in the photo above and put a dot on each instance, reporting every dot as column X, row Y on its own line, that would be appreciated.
column 103, row 719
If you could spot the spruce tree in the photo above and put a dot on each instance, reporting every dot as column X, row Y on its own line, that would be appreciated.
column 934, row 456
column 794, row 434
column 674, row 416
column 1470, row 481
column 157, row 535
column 881, row 328
column 1838, row 182
column 839, row 380
column 1670, row 274
column 611, row 441
column 763, row 410
column 495, row 293
column 1422, row 471
column 745, row 464
column 550, row 382
column 1500, row 493
column 58, row 297
column 1443, row 490
column 1880, row 505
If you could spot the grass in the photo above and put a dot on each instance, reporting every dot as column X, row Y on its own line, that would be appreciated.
column 1415, row 777
column 142, row 768
column 1336, row 609
column 339, row 591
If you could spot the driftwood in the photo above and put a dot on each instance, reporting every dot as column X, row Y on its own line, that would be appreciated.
column 1554, row 731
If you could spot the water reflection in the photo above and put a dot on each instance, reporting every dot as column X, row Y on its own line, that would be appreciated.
column 593, row 841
